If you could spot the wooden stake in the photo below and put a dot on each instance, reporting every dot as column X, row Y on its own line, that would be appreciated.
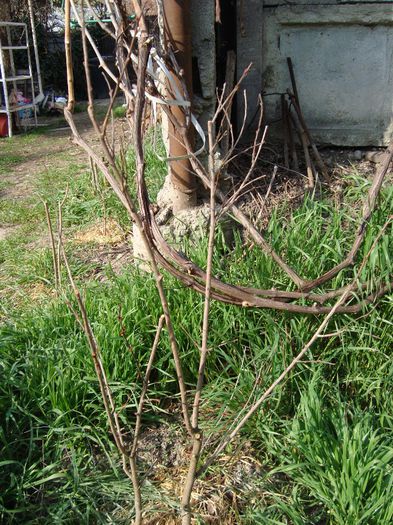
column 292, row 142
column 284, row 119
column 68, row 52
column 296, row 105
column 304, row 143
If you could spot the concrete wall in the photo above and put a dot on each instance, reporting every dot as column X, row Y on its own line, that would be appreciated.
column 204, row 54
column 343, row 61
column 249, row 50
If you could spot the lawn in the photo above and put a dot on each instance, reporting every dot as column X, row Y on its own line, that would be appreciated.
column 318, row 452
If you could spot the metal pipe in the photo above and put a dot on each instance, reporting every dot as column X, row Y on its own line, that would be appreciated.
column 177, row 28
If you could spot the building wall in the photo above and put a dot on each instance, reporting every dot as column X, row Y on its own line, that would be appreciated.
column 343, row 59
column 204, row 58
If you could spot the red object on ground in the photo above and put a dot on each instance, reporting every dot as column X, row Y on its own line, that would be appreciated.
column 3, row 126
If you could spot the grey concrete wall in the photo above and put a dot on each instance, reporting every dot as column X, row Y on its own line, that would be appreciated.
column 343, row 60
column 204, row 50
column 249, row 50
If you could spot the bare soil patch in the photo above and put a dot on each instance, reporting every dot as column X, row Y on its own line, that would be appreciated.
column 5, row 231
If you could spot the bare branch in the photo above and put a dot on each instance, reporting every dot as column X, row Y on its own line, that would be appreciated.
column 145, row 385
column 197, row 434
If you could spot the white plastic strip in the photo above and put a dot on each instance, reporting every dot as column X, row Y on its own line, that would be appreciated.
column 179, row 101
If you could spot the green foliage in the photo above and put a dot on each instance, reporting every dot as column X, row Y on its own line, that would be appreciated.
column 119, row 111
column 7, row 161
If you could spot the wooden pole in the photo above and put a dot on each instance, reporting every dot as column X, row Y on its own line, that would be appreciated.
column 292, row 142
column 68, row 52
column 304, row 143
column 284, row 119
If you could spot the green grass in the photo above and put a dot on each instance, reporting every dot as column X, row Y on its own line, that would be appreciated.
column 7, row 161
column 324, row 438
column 21, row 262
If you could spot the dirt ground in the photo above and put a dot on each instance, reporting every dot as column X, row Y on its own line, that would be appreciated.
column 56, row 149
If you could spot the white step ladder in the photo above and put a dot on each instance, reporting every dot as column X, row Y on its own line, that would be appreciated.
column 10, row 47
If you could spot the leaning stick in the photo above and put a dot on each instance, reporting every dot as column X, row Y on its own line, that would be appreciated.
column 284, row 121
column 304, row 143
column 293, row 80
column 310, row 172
column 296, row 104
column 310, row 141
column 292, row 143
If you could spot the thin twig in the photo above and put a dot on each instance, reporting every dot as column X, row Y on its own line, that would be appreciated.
column 129, row 463
column 145, row 385
column 197, row 434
